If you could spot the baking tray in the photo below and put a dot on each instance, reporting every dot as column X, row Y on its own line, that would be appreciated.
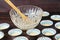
column 4, row 17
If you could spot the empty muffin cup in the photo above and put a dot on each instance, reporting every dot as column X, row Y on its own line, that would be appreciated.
column 45, row 13
column 33, row 32
column 4, row 26
column 46, row 22
column 57, row 36
column 57, row 25
column 55, row 17
column 21, row 38
column 15, row 32
column 1, row 34
column 44, row 38
column 49, row 31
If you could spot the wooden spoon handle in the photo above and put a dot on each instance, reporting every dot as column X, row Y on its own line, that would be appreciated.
column 16, row 9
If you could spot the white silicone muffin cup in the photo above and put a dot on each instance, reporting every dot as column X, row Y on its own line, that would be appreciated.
column 46, row 22
column 21, row 38
column 57, row 36
column 55, row 17
column 45, row 13
column 44, row 38
column 33, row 32
column 57, row 25
column 49, row 31
column 15, row 32
column 1, row 34
column 4, row 26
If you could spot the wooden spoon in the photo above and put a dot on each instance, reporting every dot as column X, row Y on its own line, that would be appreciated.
column 16, row 9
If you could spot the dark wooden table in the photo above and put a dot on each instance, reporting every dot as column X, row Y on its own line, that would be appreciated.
column 49, row 5
column 52, row 6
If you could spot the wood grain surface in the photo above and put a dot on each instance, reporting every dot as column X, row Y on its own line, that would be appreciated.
column 48, row 5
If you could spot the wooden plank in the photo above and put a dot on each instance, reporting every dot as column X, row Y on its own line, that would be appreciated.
column 49, row 5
